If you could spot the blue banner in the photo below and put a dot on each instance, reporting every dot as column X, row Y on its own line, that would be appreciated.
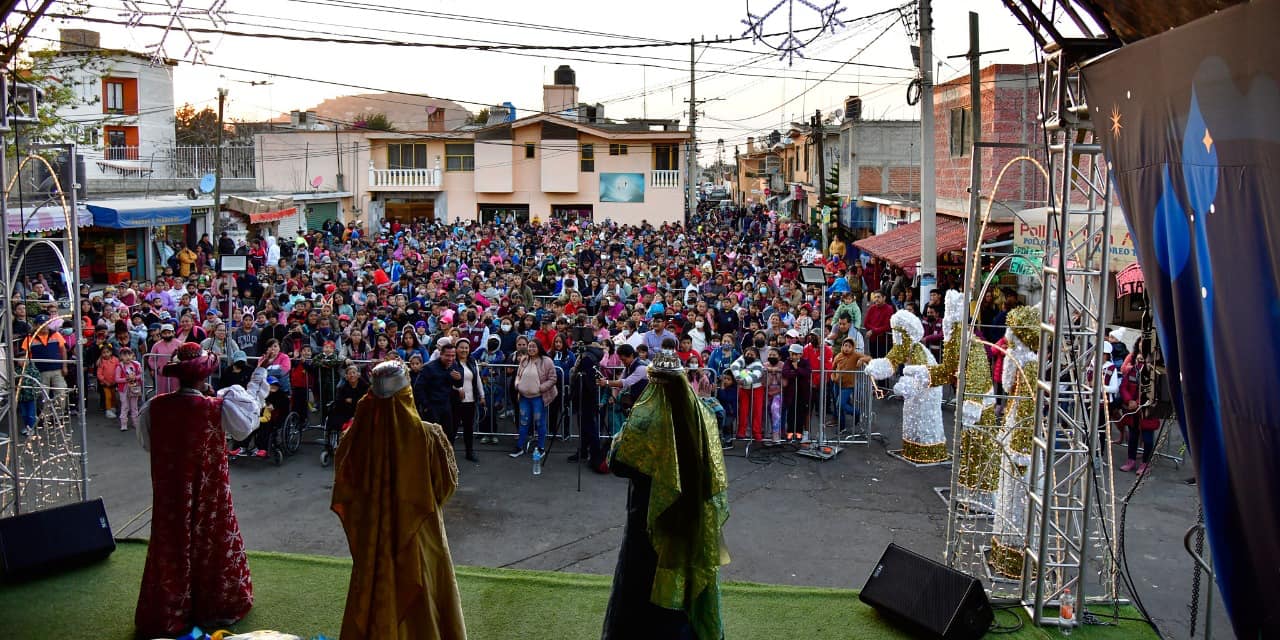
column 1188, row 121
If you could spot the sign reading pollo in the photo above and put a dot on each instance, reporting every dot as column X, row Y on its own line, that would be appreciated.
column 1031, row 228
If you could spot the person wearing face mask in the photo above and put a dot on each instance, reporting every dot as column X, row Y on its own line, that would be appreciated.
column 159, row 356
column 748, row 372
column 773, row 384
column 507, row 335
column 698, row 333
column 723, row 356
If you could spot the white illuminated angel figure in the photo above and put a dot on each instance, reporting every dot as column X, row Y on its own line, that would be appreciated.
column 923, row 440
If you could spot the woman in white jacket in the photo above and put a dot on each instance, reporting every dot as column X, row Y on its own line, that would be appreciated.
column 748, row 373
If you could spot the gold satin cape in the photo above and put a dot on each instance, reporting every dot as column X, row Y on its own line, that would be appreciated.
column 393, row 474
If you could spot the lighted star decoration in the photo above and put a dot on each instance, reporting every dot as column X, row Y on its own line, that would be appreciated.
column 792, row 45
column 1115, row 121
column 175, row 16
column 1207, row 140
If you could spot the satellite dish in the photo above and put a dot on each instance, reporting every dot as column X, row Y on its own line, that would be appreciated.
column 207, row 182
column 316, row 182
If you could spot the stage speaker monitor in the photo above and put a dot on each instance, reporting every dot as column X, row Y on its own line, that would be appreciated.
column 42, row 542
column 926, row 597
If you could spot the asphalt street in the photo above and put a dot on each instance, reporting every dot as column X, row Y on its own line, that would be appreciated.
column 794, row 520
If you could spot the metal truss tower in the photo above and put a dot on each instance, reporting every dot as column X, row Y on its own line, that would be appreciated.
column 1031, row 498
column 43, row 466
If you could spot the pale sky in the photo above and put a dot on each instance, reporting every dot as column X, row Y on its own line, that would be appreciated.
column 654, row 87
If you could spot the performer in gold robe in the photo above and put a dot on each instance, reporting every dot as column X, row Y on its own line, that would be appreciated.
column 666, row 585
column 393, row 474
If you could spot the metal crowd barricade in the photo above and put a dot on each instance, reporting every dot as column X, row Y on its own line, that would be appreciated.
column 502, row 406
column 851, row 410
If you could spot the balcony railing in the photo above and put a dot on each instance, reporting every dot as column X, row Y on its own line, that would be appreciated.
column 172, row 162
column 404, row 178
column 662, row 179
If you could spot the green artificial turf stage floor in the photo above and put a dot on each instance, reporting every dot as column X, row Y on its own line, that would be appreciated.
column 304, row 595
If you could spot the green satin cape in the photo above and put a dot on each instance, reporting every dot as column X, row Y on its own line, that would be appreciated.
column 672, row 437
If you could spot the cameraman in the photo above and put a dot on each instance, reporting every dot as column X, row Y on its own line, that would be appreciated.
column 586, row 393
column 635, row 377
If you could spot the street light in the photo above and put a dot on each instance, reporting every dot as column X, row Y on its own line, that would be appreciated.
column 817, row 276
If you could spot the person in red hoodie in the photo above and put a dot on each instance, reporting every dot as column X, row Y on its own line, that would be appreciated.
column 546, row 335
column 877, row 324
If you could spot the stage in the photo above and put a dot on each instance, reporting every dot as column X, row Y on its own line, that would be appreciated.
column 304, row 595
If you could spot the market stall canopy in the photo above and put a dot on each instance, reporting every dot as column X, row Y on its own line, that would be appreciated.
column 44, row 218
column 901, row 246
column 132, row 214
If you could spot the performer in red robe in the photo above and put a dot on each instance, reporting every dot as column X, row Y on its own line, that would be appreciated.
column 196, row 571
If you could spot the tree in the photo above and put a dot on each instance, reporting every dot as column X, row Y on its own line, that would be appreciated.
column 481, row 118
column 56, row 77
column 375, row 122
column 196, row 128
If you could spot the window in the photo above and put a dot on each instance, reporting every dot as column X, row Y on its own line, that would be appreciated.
column 588, row 158
column 408, row 155
column 617, row 149
column 666, row 157
column 114, row 96
column 528, row 149
column 460, row 157
column 961, row 135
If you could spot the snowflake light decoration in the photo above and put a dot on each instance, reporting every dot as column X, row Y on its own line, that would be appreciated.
column 176, row 15
column 791, row 44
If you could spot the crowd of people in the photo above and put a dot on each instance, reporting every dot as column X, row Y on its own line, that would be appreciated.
column 508, row 321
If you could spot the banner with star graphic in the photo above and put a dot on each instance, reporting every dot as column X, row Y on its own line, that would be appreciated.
column 1190, row 122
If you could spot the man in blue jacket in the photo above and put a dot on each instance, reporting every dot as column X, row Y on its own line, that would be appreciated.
column 435, row 382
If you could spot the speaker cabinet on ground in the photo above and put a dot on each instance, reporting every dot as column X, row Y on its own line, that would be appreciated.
column 42, row 542
column 926, row 597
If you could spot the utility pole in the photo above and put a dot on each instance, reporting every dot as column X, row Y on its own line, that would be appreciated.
column 820, row 177
column 975, row 164
column 691, row 186
column 691, row 194
column 217, row 174
column 928, row 270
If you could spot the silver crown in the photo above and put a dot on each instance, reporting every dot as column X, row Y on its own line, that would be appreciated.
column 667, row 360
column 388, row 378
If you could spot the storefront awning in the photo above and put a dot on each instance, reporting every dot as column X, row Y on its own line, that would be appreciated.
column 45, row 218
column 901, row 246
column 132, row 214
column 272, row 216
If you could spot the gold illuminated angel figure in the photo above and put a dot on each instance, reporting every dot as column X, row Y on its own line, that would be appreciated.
column 979, row 472
column 1021, row 370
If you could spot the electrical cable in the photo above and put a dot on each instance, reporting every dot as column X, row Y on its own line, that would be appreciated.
column 402, row 43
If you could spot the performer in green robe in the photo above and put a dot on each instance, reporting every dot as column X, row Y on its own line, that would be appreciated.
column 666, row 585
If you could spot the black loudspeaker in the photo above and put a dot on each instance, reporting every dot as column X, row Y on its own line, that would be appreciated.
column 926, row 597
column 42, row 542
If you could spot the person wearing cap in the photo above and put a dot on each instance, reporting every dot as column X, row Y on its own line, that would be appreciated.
column 796, row 393
column 194, row 576
column 393, row 474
